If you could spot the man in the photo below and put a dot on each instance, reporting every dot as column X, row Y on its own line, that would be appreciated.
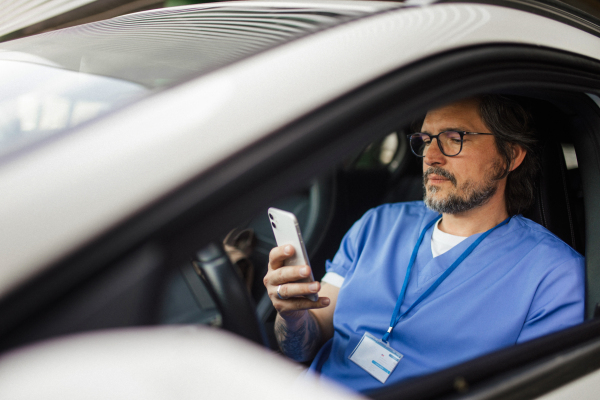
column 434, row 291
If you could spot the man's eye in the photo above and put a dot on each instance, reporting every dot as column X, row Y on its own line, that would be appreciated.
column 453, row 137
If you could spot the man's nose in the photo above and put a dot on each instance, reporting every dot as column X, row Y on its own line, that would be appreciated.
column 433, row 155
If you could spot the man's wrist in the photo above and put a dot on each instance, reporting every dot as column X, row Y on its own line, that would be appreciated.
column 298, row 337
column 293, row 319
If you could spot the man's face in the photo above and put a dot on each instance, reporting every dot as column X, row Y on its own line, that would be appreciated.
column 457, row 184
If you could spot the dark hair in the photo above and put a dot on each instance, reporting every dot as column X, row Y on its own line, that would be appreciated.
column 511, row 123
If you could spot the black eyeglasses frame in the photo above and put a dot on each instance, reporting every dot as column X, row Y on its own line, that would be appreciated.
column 461, row 133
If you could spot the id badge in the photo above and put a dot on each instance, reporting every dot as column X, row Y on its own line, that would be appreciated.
column 375, row 357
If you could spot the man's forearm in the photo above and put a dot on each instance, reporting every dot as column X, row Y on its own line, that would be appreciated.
column 299, row 339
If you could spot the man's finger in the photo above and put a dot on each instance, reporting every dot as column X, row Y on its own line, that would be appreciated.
column 289, row 274
column 286, row 274
column 298, row 304
column 298, row 289
column 278, row 255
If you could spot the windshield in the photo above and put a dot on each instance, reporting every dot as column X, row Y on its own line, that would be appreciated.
column 60, row 79
column 37, row 100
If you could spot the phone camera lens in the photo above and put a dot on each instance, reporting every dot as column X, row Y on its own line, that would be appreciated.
column 274, row 226
column 270, row 215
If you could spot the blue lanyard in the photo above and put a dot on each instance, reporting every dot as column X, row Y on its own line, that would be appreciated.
column 395, row 317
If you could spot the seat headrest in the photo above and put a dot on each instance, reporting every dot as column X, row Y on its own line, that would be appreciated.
column 552, row 206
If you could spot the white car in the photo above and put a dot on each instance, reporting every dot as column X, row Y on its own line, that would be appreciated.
column 130, row 147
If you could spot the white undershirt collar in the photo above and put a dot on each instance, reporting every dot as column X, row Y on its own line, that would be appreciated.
column 441, row 242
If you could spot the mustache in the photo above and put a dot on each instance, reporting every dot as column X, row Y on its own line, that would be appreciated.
column 438, row 171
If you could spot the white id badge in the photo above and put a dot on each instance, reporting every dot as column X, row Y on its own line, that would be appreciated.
column 375, row 357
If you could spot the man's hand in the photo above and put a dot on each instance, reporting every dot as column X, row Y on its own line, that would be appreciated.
column 302, row 325
column 293, row 304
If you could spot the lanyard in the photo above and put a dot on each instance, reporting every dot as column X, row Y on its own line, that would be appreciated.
column 395, row 317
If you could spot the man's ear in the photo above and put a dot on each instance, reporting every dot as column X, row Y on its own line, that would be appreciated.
column 518, row 154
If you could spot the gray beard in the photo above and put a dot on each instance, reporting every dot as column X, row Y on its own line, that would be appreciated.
column 475, row 195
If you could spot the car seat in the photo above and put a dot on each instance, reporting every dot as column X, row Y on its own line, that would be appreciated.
column 554, row 196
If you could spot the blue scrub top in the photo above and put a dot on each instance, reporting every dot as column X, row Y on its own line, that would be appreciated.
column 521, row 282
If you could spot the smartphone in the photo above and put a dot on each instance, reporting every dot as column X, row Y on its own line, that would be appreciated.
column 287, row 231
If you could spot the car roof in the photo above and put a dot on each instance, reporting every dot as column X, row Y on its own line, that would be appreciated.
column 157, row 48
column 62, row 195
column 588, row 10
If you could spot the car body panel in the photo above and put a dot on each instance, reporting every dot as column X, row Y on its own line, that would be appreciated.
column 585, row 388
column 183, row 362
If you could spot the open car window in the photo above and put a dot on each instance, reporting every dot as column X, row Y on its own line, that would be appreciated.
column 383, row 171
column 401, row 177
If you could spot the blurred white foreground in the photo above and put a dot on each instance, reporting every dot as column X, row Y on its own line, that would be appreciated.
column 151, row 363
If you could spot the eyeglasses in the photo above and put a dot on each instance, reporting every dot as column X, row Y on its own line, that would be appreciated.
column 449, row 142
